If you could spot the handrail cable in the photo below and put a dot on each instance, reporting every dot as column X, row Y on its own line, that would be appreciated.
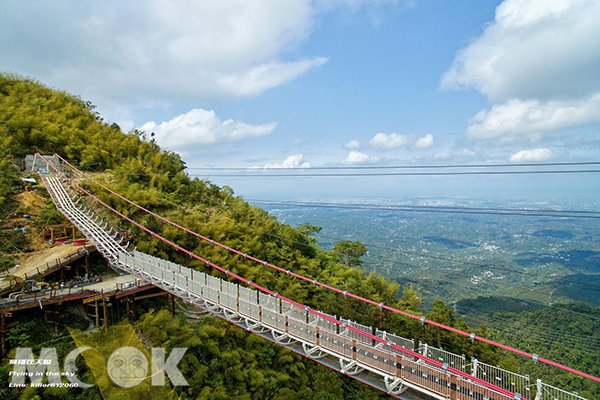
column 315, row 282
column 308, row 309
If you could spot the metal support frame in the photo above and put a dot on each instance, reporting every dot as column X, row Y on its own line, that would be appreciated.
column 394, row 385
column 313, row 352
column 350, row 368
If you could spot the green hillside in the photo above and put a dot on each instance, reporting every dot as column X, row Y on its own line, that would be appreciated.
column 223, row 361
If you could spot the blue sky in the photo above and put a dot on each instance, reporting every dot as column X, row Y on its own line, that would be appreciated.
column 306, row 84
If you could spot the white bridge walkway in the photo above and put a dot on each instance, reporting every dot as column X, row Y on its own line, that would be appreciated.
column 347, row 351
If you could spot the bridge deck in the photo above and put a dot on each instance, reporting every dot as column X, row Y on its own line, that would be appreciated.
column 349, row 348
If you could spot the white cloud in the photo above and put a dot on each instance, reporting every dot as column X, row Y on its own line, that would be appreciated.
column 533, row 155
column 137, row 51
column 352, row 145
column 539, row 62
column 461, row 154
column 265, row 76
column 293, row 161
column 425, row 142
column 442, row 156
column 383, row 141
column 356, row 157
column 200, row 127
column 465, row 153
column 518, row 117
column 198, row 48
column 534, row 49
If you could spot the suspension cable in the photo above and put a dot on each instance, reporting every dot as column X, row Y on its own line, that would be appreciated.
column 317, row 283
column 277, row 295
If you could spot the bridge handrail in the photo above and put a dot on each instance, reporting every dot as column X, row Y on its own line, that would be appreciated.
column 500, row 377
column 399, row 340
column 116, row 251
column 547, row 392
column 445, row 356
column 472, row 336
column 271, row 312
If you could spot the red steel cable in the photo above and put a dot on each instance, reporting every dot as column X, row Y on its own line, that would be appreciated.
column 277, row 295
column 345, row 293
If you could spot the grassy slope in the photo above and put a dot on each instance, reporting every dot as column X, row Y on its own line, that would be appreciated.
column 225, row 361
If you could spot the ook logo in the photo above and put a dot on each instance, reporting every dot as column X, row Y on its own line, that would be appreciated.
column 126, row 367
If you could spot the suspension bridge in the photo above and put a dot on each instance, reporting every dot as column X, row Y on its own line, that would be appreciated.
column 380, row 359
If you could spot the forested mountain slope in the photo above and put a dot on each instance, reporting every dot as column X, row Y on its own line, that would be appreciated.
column 223, row 361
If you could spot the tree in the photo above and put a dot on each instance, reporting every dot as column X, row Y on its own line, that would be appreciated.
column 309, row 230
column 444, row 315
column 411, row 299
column 510, row 363
column 8, row 176
column 349, row 253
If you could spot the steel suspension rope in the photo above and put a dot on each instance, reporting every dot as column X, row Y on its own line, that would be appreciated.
column 278, row 296
column 367, row 167
column 382, row 306
column 371, row 174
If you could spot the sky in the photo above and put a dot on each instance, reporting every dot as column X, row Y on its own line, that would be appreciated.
column 304, row 84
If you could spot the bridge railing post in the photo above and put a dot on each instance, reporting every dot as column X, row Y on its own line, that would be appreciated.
column 540, row 390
